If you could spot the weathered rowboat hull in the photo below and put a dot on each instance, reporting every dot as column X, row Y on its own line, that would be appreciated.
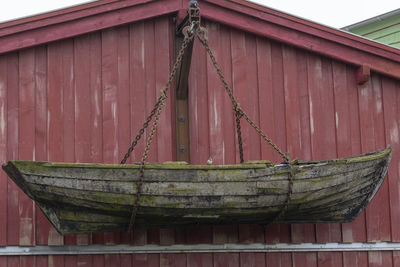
column 85, row 198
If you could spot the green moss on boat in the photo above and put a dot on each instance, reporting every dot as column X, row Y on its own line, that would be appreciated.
column 87, row 198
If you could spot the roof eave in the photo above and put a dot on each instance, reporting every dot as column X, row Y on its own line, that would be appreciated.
column 239, row 14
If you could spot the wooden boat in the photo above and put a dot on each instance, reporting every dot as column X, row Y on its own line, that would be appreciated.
column 84, row 198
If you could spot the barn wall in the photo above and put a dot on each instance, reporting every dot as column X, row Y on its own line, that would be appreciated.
column 84, row 99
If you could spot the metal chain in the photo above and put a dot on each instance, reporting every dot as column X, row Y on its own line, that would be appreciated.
column 285, row 207
column 144, row 157
column 238, row 116
column 141, row 131
column 155, row 111
column 240, row 113
column 235, row 104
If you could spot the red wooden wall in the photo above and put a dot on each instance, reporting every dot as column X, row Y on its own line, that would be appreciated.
column 83, row 99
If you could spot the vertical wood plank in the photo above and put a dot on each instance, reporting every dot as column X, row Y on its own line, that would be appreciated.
column 323, row 140
column 396, row 258
column 126, row 260
column 171, row 260
column 98, row 261
column 68, row 100
column 112, row 260
column 43, row 226
column 55, row 133
column 292, row 108
column 344, row 132
column 55, row 261
column 67, row 69
column 252, row 259
column 26, row 139
column 275, row 233
column 298, row 139
column 198, row 103
column 138, row 92
column 228, row 130
column 150, row 62
column 13, row 261
column 292, row 114
column 110, row 95
column 153, row 235
column 165, row 140
column 82, row 85
column 82, row 113
column 226, row 260
column 325, row 133
column 3, row 261
column 41, row 260
column 244, row 80
column 199, row 259
column 372, row 137
column 199, row 235
column 148, row 260
column 279, row 259
column 137, row 100
column 28, row 261
column 380, row 258
column 351, row 259
column 252, row 109
column 3, row 150
column 391, row 110
column 215, row 93
column 70, row 261
column 96, row 99
column 12, row 148
column 308, row 259
column 110, row 106
column 330, row 259
column 303, row 232
column 342, row 120
column 84, row 260
column 278, row 96
column 96, row 108
column 356, row 230
column 265, row 102
column 124, row 128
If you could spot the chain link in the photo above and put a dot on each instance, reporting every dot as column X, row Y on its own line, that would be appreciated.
column 195, row 29
column 157, row 112
column 283, row 211
column 235, row 104
column 238, row 116
column 240, row 113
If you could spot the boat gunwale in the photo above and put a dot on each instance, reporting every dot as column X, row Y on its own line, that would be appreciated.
column 185, row 166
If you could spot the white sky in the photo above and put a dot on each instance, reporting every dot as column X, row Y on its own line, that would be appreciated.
column 334, row 13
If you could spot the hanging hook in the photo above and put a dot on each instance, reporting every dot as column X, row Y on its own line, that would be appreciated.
column 193, row 4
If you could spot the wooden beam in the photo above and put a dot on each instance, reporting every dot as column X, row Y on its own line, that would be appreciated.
column 181, row 94
column 363, row 74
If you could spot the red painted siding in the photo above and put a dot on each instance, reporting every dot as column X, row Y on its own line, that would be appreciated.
column 83, row 99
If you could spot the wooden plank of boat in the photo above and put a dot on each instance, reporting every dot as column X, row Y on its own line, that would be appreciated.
column 87, row 198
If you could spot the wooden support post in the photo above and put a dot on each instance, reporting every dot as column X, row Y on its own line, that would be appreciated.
column 182, row 100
